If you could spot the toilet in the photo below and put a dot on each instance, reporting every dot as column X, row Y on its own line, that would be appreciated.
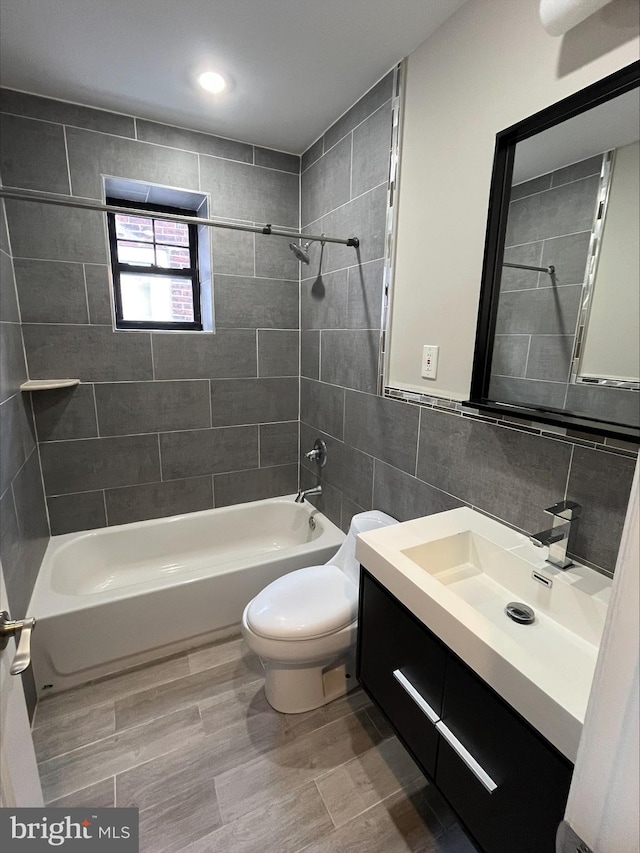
column 303, row 627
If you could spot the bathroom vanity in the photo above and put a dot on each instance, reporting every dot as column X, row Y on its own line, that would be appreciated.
column 490, row 709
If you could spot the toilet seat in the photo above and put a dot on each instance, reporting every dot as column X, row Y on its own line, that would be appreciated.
column 303, row 605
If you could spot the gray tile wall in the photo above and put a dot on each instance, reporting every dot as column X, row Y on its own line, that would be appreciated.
column 24, row 530
column 550, row 221
column 395, row 456
column 162, row 423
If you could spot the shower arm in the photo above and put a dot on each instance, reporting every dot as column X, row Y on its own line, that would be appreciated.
column 83, row 204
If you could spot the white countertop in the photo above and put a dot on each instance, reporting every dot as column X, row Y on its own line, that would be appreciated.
column 543, row 674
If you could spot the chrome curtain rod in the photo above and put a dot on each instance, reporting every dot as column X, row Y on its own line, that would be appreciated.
column 549, row 270
column 18, row 195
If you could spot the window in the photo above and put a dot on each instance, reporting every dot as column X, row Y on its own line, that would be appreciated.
column 155, row 268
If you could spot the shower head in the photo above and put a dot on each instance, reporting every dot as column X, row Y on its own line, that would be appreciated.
column 301, row 252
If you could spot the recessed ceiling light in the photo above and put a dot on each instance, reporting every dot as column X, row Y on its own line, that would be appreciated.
column 212, row 82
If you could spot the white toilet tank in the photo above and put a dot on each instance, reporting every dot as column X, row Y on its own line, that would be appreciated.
column 345, row 559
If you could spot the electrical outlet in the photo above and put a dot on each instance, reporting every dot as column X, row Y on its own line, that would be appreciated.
column 429, row 362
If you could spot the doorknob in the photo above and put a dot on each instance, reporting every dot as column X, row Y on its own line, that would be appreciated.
column 23, row 627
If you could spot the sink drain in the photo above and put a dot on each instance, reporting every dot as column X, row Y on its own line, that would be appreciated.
column 521, row 613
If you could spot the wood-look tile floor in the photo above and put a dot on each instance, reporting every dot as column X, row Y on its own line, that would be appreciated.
column 192, row 743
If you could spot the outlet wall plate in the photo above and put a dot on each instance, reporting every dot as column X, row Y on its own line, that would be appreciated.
column 429, row 361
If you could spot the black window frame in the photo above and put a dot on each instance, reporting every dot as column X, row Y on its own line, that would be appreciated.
column 192, row 273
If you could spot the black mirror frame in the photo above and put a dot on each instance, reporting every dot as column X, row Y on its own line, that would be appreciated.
column 609, row 87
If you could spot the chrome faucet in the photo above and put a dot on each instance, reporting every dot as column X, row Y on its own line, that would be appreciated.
column 305, row 493
column 561, row 536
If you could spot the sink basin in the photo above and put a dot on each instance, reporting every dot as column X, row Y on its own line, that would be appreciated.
column 488, row 577
column 457, row 571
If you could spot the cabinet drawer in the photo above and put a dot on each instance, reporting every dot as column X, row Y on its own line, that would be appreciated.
column 532, row 780
column 402, row 666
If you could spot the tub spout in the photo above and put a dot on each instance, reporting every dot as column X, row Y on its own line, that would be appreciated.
column 304, row 493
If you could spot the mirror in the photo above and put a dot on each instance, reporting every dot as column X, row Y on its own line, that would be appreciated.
column 559, row 321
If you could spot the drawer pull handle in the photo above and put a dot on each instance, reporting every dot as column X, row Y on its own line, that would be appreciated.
column 481, row 774
column 417, row 698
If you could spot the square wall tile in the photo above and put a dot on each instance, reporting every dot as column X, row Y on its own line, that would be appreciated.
column 18, row 441
column 251, row 303
column 208, row 451
column 371, row 151
column 9, row 311
column 88, row 353
column 324, row 300
column 278, row 444
column 562, row 210
column 193, row 140
column 255, row 485
column 99, row 463
column 510, row 474
column 43, row 231
column 601, row 483
column 228, row 353
column 48, row 109
column 510, row 355
column 272, row 159
column 347, row 469
column 98, row 281
column 350, row 358
column 157, row 500
column 386, row 429
column 94, row 154
column 404, row 497
column 252, row 193
column 365, row 291
column 364, row 217
column 65, row 413
column 125, row 408
column 69, row 513
column 274, row 258
column 322, row 406
column 33, row 155
column 310, row 354
column 326, row 184
column 368, row 104
column 278, row 352
column 13, row 370
column 253, row 401
column 550, row 357
column 527, row 392
column 51, row 291
column 32, row 523
column 546, row 311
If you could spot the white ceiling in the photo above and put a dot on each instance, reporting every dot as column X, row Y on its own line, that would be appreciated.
column 295, row 65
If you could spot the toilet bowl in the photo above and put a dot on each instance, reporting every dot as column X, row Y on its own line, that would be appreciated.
column 303, row 627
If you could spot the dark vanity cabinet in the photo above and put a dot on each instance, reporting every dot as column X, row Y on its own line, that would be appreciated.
column 507, row 784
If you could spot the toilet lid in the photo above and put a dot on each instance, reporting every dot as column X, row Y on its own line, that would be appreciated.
column 311, row 602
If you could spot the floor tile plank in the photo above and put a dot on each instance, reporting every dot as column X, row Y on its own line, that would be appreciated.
column 98, row 796
column 364, row 781
column 57, row 706
column 75, row 729
column 283, row 827
column 145, row 705
column 118, row 752
column 277, row 774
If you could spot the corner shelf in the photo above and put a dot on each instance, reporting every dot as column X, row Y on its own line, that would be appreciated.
column 48, row 384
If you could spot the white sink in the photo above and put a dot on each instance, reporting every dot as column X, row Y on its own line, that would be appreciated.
column 456, row 571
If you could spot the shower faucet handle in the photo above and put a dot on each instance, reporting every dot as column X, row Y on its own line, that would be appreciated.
column 318, row 454
column 23, row 627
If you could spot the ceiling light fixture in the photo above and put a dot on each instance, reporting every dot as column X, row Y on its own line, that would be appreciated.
column 212, row 82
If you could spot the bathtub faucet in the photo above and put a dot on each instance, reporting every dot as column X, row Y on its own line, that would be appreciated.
column 305, row 493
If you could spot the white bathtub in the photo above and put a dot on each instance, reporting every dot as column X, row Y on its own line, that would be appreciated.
column 109, row 599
